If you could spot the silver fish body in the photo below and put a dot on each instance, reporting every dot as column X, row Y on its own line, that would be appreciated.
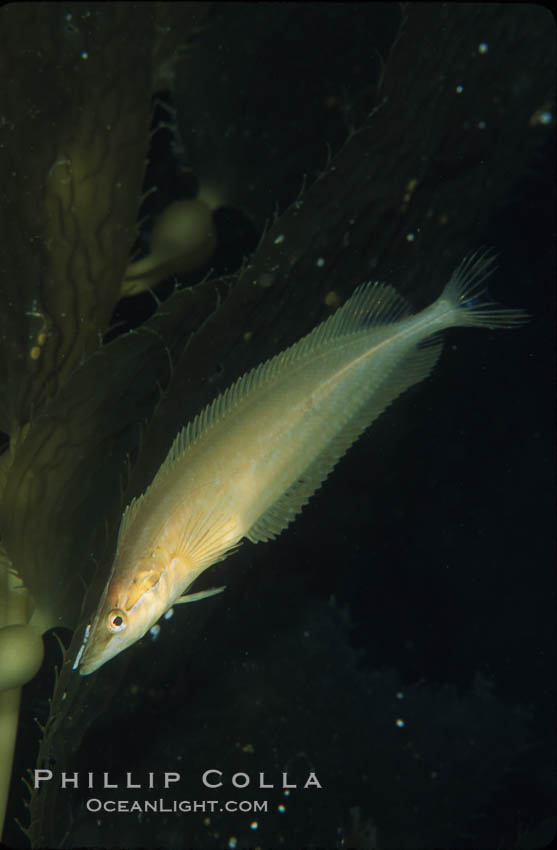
column 249, row 461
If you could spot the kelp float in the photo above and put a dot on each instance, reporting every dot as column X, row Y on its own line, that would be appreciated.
column 441, row 133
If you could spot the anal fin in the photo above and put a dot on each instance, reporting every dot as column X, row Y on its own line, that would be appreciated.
column 416, row 366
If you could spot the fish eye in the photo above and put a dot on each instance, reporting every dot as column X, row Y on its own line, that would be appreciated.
column 117, row 620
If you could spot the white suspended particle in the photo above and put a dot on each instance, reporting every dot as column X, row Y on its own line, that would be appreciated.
column 543, row 116
column 483, row 47
column 169, row 614
column 266, row 280
column 155, row 631
column 320, row 262
column 279, row 240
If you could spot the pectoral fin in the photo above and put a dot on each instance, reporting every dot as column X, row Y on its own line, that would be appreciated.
column 195, row 597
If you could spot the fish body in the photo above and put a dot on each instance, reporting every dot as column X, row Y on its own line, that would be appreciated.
column 249, row 461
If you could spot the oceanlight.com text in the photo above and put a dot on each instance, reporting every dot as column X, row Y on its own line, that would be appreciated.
column 161, row 806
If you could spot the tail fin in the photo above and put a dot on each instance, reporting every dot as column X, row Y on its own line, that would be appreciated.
column 471, row 301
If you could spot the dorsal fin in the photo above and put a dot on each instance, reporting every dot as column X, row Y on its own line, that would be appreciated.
column 128, row 516
column 372, row 305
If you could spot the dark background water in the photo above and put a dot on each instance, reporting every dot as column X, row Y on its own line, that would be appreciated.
column 398, row 639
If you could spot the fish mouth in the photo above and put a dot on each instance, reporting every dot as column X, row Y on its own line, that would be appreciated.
column 87, row 669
